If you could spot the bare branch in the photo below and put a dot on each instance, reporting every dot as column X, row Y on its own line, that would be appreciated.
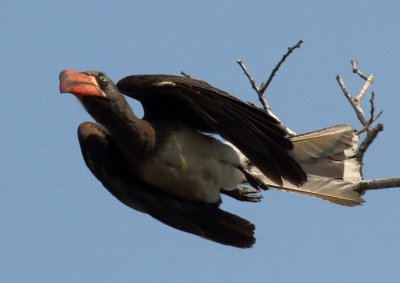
column 262, row 99
column 373, row 118
column 185, row 74
column 365, row 87
column 254, row 86
column 371, row 136
column 355, row 104
column 378, row 184
column 368, row 80
column 356, row 70
column 260, row 90
column 265, row 85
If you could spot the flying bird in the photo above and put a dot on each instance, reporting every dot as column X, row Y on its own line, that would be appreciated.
column 208, row 221
column 169, row 165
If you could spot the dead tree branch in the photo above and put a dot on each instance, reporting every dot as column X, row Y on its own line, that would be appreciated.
column 355, row 102
column 357, row 71
column 265, row 85
column 257, row 89
column 369, row 138
column 260, row 90
column 371, row 131
column 183, row 73
column 378, row 184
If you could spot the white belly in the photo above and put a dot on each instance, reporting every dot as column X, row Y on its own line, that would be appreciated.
column 193, row 166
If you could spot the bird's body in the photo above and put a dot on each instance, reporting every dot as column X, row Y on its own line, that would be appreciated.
column 191, row 165
column 171, row 150
column 169, row 155
column 107, row 163
column 168, row 149
column 181, row 161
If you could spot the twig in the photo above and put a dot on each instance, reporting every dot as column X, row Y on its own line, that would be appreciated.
column 372, row 132
column 260, row 90
column 368, row 80
column 265, row 85
column 357, row 70
column 373, row 118
column 365, row 87
column 185, row 74
column 254, row 86
column 355, row 104
column 371, row 136
column 262, row 99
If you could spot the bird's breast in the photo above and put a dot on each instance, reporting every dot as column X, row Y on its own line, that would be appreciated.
column 192, row 165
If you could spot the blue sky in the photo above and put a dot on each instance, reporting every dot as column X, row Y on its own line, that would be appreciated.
column 60, row 225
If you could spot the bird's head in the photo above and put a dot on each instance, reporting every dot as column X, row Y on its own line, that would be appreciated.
column 86, row 84
column 97, row 93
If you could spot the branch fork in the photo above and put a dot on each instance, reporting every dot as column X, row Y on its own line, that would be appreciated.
column 355, row 102
column 260, row 90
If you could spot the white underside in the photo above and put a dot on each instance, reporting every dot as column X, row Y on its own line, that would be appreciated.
column 193, row 166
column 196, row 167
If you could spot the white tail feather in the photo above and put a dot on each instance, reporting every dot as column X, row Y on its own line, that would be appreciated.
column 334, row 190
column 329, row 153
column 327, row 156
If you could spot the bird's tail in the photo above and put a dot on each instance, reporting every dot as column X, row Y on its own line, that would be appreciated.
column 328, row 158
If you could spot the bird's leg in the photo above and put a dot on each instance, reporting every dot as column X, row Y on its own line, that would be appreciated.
column 253, row 180
column 247, row 194
column 244, row 194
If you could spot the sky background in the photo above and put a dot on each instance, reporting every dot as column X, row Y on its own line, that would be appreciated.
column 58, row 224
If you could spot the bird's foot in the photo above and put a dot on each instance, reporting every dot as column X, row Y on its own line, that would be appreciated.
column 253, row 180
column 244, row 194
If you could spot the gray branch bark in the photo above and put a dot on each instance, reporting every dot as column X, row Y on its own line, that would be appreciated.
column 371, row 131
column 379, row 184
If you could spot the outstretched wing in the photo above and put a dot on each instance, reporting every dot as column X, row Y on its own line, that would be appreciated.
column 205, row 108
column 204, row 220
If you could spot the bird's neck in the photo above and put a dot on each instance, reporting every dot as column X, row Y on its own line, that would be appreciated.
column 134, row 135
column 131, row 133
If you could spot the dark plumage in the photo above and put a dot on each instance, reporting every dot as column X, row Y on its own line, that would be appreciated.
column 163, row 165
column 197, row 104
column 104, row 159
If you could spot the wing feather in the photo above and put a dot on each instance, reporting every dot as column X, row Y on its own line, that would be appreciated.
column 205, row 220
column 253, row 131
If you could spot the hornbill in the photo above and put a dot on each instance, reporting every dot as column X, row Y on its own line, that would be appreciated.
column 169, row 165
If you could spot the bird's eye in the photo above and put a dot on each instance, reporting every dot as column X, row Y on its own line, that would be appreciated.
column 103, row 78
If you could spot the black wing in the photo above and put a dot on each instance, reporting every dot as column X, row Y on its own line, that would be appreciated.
column 204, row 220
column 206, row 108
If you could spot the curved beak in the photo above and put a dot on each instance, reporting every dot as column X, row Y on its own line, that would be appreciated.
column 79, row 84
